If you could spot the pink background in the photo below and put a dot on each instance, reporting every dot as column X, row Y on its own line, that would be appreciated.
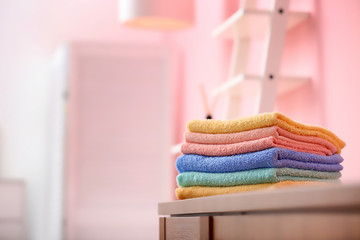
column 326, row 47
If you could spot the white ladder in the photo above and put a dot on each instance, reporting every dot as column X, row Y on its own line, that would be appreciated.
column 244, row 25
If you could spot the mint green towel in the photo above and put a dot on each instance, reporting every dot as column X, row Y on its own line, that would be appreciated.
column 256, row 176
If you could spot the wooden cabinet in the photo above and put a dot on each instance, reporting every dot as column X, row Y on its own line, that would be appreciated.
column 185, row 228
column 327, row 212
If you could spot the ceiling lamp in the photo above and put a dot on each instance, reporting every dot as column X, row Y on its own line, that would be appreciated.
column 157, row 14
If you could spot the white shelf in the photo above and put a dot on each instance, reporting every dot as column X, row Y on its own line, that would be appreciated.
column 254, row 23
column 285, row 84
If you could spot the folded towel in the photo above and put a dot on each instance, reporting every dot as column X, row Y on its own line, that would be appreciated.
column 274, row 131
column 269, row 158
column 198, row 191
column 261, row 121
column 256, row 176
column 252, row 146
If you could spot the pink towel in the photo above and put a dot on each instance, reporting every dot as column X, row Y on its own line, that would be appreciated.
column 252, row 146
column 316, row 143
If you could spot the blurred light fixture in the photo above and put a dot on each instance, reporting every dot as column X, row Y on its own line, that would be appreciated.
column 157, row 14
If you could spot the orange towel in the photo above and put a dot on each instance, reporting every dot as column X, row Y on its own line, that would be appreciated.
column 198, row 191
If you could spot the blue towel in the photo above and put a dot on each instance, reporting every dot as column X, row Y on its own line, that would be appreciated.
column 269, row 158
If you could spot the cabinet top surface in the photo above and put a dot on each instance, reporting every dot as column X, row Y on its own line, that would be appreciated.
column 297, row 198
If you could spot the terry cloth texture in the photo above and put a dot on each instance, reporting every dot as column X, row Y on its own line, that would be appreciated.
column 198, row 191
column 274, row 131
column 261, row 121
column 256, row 176
column 252, row 146
column 269, row 158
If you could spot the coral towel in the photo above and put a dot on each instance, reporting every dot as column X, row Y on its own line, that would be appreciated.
column 252, row 146
column 261, row 121
column 274, row 131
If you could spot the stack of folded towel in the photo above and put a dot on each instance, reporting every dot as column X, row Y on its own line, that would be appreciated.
column 267, row 150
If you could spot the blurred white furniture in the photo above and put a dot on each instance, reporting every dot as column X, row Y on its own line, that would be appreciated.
column 12, row 210
column 119, row 132
column 243, row 26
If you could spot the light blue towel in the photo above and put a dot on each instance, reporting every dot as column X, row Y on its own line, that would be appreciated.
column 256, row 176
column 269, row 158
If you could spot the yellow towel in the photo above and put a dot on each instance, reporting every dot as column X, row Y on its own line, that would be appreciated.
column 261, row 121
column 199, row 191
